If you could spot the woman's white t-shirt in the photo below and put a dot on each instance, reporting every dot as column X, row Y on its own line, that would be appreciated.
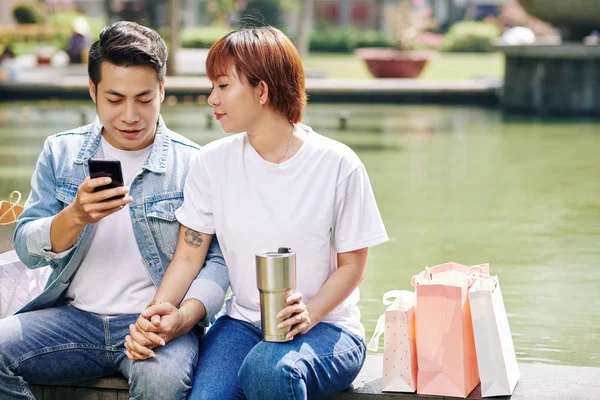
column 319, row 203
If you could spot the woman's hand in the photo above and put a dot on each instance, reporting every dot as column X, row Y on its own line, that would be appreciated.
column 157, row 326
column 296, row 315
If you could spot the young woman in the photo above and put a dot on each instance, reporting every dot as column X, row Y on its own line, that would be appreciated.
column 273, row 183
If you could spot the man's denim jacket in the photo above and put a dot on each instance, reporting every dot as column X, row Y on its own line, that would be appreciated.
column 157, row 192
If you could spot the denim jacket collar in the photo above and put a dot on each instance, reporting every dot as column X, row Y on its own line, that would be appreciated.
column 156, row 162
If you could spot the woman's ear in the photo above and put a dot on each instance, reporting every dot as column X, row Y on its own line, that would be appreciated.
column 263, row 93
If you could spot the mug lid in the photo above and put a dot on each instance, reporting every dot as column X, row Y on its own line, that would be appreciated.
column 280, row 252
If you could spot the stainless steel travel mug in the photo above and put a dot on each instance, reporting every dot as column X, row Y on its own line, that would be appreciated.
column 276, row 280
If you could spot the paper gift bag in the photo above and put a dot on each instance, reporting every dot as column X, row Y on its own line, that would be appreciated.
column 445, row 344
column 498, row 368
column 9, row 212
column 399, row 351
column 19, row 284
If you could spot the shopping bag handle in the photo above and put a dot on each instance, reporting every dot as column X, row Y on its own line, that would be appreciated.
column 422, row 277
column 403, row 297
column 12, row 204
column 473, row 273
column 474, row 276
column 373, row 344
column 425, row 276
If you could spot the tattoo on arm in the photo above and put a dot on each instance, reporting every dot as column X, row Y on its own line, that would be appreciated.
column 193, row 238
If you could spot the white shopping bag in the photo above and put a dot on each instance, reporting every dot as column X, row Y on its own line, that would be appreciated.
column 19, row 284
column 399, row 351
column 496, row 358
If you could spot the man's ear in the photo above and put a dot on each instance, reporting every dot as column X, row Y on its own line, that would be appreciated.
column 263, row 93
column 162, row 90
column 93, row 92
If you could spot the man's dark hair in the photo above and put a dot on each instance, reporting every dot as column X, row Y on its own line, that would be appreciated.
column 128, row 44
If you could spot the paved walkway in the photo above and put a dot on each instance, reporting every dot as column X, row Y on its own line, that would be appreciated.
column 71, row 82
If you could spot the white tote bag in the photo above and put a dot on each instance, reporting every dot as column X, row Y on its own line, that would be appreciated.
column 397, row 325
column 496, row 358
column 19, row 284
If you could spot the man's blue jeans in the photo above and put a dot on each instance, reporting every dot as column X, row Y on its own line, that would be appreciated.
column 235, row 362
column 65, row 344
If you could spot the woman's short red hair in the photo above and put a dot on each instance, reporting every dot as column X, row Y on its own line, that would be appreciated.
column 263, row 54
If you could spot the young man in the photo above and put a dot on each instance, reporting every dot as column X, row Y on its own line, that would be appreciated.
column 108, row 254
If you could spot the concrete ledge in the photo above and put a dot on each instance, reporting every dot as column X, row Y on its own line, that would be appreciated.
column 475, row 91
column 552, row 80
column 567, row 51
column 538, row 381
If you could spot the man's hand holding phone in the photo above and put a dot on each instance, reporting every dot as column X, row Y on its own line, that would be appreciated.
column 90, row 206
column 102, row 194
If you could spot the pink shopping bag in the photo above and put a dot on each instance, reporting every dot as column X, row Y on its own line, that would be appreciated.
column 445, row 345
column 397, row 325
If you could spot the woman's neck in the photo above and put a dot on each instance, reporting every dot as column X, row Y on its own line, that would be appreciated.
column 273, row 138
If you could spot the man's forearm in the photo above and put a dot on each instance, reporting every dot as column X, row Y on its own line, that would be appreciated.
column 65, row 230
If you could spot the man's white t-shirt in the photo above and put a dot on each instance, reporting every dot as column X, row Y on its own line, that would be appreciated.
column 112, row 278
column 319, row 203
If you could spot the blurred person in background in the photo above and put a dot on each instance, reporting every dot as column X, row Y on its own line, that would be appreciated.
column 78, row 46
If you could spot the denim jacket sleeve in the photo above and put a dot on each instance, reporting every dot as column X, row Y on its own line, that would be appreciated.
column 211, row 284
column 32, row 234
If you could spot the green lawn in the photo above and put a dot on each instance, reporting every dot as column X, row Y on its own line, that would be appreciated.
column 443, row 66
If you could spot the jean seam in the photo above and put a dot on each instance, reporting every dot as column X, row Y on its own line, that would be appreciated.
column 107, row 344
column 191, row 376
column 24, row 389
column 53, row 349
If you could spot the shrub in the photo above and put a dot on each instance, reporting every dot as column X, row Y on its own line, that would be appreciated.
column 323, row 40
column 346, row 40
column 27, row 14
column 470, row 36
column 262, row 12
column 202, row 37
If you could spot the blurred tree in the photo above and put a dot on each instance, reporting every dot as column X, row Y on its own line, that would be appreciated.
column 108, row 11
column 220, row 10
column 262, row 12
column 28, row 13
column 174, row 28
column 305, row 26
column 447, row 12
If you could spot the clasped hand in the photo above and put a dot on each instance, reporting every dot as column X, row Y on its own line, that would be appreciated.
column 156, row 326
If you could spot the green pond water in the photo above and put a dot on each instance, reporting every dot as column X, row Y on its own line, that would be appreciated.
column 460, row 184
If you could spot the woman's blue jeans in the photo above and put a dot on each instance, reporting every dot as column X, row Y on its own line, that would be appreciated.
column 235, row 363
column 65, row 344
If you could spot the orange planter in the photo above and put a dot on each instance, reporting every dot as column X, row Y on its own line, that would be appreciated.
column 391, row 63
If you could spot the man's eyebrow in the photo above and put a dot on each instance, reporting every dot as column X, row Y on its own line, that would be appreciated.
column 115, row 93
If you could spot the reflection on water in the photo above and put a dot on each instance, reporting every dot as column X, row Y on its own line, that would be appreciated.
column 453, row 184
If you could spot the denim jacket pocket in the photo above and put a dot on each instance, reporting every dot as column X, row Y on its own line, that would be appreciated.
column 164, row 224
column 66, row 191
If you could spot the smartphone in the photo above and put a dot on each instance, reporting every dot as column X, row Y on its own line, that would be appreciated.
column 107, row 168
